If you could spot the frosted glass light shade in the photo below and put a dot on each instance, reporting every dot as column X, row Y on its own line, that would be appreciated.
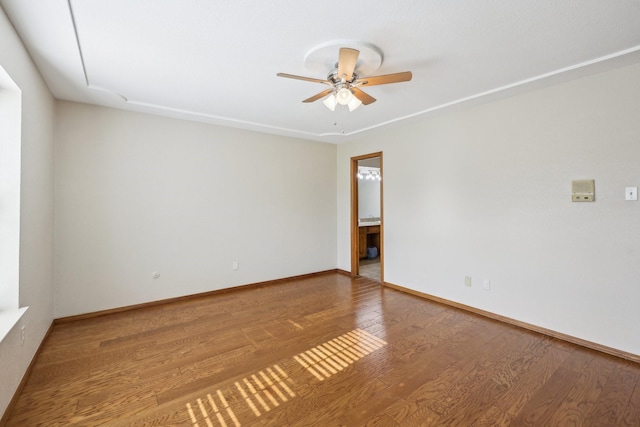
column 344, row 96
column 354, row 103
column 330, row 102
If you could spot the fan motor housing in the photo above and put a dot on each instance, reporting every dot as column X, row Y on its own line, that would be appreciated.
column 333, row 77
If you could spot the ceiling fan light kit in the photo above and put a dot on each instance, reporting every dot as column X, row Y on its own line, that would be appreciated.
column 344, row 84
column 344, row 96
column 354, row 103
column 330, row 102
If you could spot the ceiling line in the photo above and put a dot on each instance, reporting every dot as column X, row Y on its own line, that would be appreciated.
column 75, row 32
column 635, row 49
column 555, row 73
column 212, row 116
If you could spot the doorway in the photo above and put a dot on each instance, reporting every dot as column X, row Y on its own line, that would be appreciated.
column 367, row 225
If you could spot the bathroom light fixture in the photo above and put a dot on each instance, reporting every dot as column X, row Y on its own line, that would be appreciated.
column 368, row 173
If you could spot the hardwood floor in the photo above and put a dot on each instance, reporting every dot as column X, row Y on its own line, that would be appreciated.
column 322, row 351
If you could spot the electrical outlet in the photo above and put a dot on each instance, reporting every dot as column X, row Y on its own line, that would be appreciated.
column 467, row 281
column 236, row 265
column 22, row 335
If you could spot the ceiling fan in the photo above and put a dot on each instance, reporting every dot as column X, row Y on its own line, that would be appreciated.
column 344, row 84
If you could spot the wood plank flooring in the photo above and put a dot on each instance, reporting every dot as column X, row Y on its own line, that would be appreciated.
column 320, row 351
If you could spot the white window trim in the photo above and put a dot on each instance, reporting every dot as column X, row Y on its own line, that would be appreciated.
column 10, row 168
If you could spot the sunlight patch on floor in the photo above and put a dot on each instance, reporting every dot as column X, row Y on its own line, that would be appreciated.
column 333, row 356
column 267, row 389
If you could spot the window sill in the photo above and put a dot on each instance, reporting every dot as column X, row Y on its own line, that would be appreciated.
column 8, row 319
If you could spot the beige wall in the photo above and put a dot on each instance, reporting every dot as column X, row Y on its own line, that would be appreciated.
column 486, row 192
column 36, row 217
column 137, row 194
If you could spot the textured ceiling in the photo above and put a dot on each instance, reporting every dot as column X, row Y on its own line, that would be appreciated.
column 216, row 60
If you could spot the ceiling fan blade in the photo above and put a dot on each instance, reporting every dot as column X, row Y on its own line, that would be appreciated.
column 386, row 79
column 319, row 95
column 365, row 98
column 347, row 62
column 307, row 79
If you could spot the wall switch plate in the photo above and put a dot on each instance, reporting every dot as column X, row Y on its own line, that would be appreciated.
column 631, row 193
column 467, row 281
column 236, row 265
column 486, row 284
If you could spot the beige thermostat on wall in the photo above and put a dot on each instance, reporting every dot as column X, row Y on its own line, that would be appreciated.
column 583, row 190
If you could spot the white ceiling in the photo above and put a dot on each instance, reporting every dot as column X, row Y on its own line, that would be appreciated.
column 216, row 60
